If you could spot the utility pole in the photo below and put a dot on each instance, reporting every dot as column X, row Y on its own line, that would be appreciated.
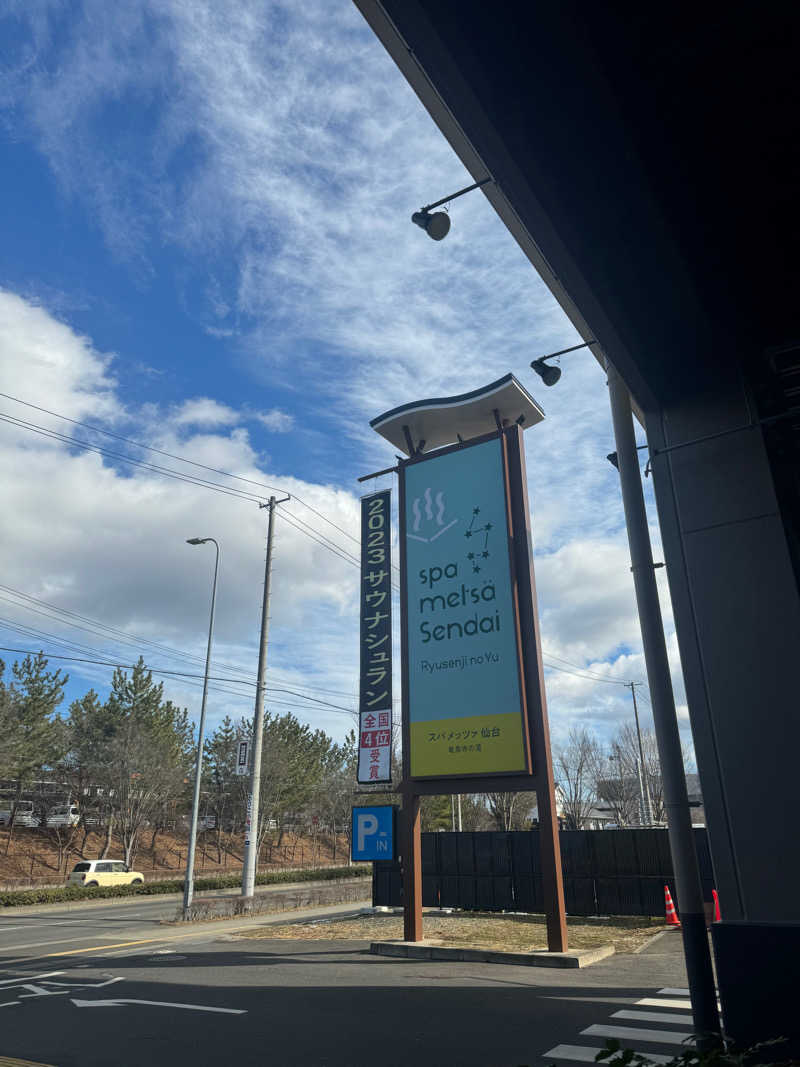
column 644, row 788
column 699, row 972
column 251, row 821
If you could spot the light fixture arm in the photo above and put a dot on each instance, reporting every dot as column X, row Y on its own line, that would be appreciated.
column 447, row 199
column 563, row 351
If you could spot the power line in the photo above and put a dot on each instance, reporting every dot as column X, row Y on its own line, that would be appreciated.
column 577, row 666
column 588, row 677
column 188, row 679
column 167, row 472
column 124, row 666
column 97, row 628
column 180, row 476
column 139, row 444
column 173, row 455
column 132, row 639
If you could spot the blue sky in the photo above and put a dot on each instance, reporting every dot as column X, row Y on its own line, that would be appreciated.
column 207, row 248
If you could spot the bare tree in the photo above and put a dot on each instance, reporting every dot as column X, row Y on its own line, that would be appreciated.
column 510, row 811
column 576, row 764
column 618, row 786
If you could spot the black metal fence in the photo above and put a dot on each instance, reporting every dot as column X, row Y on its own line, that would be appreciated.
column 606, row 872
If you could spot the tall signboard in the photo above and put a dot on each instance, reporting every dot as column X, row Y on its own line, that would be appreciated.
column 375, row 688
column 465, row 700
column 474, row 714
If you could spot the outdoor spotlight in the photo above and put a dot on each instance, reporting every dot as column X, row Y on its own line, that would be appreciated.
column 548, row 374
column 436, row 226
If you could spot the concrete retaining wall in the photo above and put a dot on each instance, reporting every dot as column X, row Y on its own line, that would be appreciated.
column 293, row 898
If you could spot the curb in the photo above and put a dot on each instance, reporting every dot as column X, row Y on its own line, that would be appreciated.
column 433, row 950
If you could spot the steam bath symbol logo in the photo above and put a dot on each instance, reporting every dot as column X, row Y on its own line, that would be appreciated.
column 426, row 520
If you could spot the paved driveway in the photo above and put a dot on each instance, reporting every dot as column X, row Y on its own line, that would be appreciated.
column 211, row 999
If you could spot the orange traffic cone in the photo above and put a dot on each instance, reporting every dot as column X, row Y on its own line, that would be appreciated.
column 672, row 915
column 717, row 915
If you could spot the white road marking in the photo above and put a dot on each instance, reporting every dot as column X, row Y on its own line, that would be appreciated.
column 156, row 1004
column 30, row 977
column 9, row 1004
column 62, row 941
column 88, row 985
column 582, row 1054
column 633, row 1033
column 673, row 992
column 662, row 1002
column 654, row 1017
column 70, row 987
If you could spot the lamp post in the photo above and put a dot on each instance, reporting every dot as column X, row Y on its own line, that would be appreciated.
column 188, row 887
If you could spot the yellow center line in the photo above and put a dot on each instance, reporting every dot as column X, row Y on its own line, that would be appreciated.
column 102, row 948
column 152, row 940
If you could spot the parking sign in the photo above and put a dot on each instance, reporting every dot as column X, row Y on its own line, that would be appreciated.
column 373, row 833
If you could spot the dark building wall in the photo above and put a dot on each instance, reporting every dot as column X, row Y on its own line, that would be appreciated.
column 737, row 615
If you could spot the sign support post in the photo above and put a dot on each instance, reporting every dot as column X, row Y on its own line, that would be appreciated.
column 549, row 844
column 412, row 868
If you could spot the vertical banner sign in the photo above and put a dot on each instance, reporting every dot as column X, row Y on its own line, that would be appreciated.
column 242, row 757
column 375, row 689
column 466, row 712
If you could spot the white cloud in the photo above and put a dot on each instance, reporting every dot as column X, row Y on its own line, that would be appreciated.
column 205, row 411
column 276, row 420
column 42, row 360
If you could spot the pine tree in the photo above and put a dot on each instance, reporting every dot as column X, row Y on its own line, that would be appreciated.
column 33, row 736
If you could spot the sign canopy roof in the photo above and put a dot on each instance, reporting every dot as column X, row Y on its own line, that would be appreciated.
column 428, row 424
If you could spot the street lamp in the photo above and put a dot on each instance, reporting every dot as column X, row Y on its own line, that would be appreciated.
column 188, row 887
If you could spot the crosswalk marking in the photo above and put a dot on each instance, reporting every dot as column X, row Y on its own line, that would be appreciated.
column 633, row 1033
column 677, row 1000
column 654, row 1017
column 584, row 1054
column 663, row 1002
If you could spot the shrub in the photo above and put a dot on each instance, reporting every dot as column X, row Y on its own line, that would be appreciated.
column 21, row 897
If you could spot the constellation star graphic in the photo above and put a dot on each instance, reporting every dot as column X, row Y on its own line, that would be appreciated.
column 473, row 529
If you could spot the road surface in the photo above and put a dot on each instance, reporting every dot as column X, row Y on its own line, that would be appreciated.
column 117, row 987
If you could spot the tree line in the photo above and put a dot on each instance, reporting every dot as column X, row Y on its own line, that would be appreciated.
column 128, row 762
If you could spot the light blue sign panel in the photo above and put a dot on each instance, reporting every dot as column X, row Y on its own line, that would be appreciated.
column 373, row 833
column 464, row 693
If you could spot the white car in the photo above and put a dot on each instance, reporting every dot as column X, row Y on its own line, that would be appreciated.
column 23, row 816
column 67, row 815
column 103, row 872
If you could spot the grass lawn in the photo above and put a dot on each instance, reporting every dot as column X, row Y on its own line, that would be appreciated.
column 502, row 933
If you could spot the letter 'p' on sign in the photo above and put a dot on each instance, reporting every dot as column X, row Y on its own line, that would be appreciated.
column 373, row 833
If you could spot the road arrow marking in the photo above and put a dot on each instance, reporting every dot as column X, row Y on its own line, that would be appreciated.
column 156, row 1004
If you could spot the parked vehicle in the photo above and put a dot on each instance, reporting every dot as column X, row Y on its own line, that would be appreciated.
column 24, row 815
column 103, row 872
column 66, row 815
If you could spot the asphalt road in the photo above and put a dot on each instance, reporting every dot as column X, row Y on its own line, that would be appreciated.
column 75, row 991
column 32, row 932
